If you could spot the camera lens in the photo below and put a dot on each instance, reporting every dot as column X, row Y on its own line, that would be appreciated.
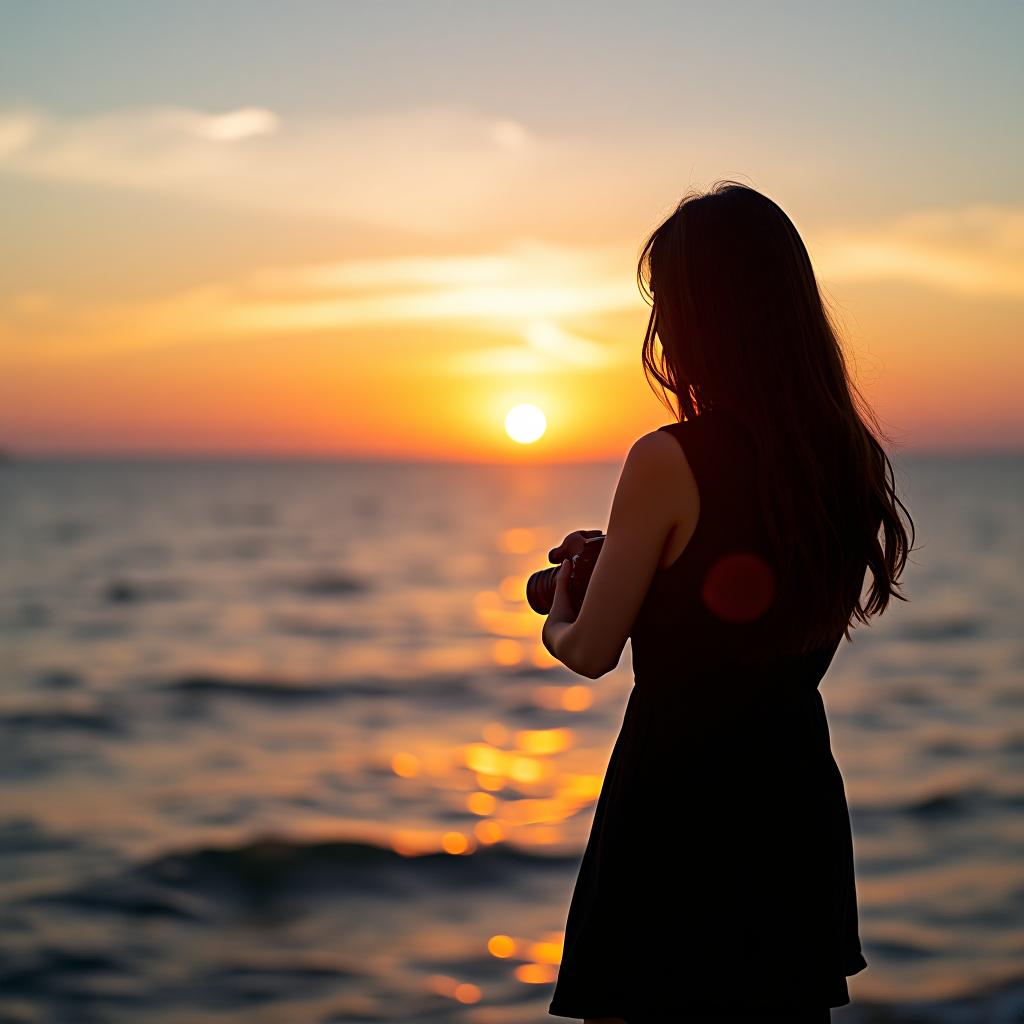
column 540, row 590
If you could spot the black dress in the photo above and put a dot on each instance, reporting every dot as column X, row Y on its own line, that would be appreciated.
column 718, row 877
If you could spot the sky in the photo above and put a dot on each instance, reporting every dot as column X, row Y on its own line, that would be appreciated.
column 370, row 230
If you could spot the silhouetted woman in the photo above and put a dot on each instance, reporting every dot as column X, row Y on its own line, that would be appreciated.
column 718, row 880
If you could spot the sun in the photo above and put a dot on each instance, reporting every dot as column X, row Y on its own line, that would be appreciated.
column 525, row 423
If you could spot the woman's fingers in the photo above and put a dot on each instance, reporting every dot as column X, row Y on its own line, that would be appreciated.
column 572, row 545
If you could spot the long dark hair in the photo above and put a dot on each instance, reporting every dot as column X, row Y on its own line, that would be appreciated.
column 741, row 325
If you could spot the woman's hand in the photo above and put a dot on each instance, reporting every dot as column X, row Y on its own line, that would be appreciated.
column 572, row 545
column 561, row 604
column 561, row 616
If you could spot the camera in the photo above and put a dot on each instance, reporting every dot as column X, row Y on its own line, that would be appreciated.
column 540, row 587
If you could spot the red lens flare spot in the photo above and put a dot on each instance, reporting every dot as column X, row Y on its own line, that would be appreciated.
column 739, row 587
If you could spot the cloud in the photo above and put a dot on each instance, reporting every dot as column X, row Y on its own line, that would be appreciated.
column 523, row 292
column 547, row 346
column 552, row 340
column 472, row 302
column 432, row 169
column 16, row 131
column 520, row 262
column 442, row 171
column 164, row 149
column 520, row 291
column 501, row 360
column 976, row 250
column 527, row 281
column 509, row 134
column 232, row 126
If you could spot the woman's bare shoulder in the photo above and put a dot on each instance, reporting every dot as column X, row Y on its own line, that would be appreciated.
column 659, row 460
column 657, row 447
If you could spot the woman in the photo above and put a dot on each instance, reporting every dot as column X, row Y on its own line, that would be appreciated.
column 718, row 880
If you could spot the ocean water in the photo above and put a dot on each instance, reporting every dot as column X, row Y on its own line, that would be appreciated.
column 279, row 742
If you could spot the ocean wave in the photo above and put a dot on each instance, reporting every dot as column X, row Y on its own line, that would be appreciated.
column 59, row 679
column 125, row 896
column 50, row 719
column 22, row 835
column 273, row 979
column 944, row 804
column 279, row 689
column 1001, row 1002
column 263, row 689
column 33, row 973
column 271, row 858
column 329, row 584
column 128, row 591
column 32, row 615
column 1013, row 744
column 952, row 627
column 298, row 625
column 191, row 883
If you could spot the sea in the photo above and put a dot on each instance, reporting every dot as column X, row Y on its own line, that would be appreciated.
column 279, row 742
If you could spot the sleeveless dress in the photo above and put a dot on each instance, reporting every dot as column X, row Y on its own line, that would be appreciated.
column 718, row 877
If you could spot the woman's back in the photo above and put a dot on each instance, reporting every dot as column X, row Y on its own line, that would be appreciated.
column 723, row 591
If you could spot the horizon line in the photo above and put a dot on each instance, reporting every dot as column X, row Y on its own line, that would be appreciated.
column 9, row 457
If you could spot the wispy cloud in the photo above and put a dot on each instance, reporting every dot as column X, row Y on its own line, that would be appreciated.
column 547, row 346
column 426, row 169
column 230, row 127
column 975, row 250
column 552, row 340
column 519, row 292
column 157, row 148
column 522, row 294
column 438, row 170
column 442, row 171
column 524, row 282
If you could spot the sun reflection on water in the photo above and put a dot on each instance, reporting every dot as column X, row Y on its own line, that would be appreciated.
column 522, row 784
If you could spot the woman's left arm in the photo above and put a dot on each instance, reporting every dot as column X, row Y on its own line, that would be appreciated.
column 654, row 491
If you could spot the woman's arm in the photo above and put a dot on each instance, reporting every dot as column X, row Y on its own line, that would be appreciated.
column 656, row 490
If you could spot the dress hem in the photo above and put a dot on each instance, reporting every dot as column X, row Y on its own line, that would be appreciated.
column 563, row 1010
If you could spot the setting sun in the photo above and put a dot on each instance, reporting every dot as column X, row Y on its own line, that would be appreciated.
column 525, row 423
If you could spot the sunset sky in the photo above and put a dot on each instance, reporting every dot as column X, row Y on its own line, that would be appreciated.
column 372, row 229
